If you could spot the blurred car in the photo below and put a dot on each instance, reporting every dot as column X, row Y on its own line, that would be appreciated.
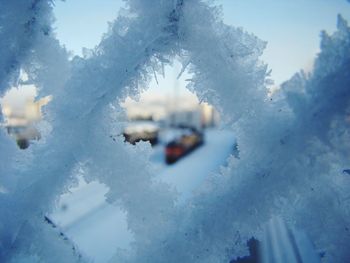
column 141, row 131
column 24, row 135
column 178, row 148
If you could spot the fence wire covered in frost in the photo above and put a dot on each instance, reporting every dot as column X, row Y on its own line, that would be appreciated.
column 293, row 146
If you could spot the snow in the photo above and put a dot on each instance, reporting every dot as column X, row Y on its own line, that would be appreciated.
column 99, row 234
column 78, row 202
column 190, row 172
column 98, row 228
column 91, row 223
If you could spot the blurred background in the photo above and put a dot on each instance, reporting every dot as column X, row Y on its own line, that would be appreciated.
column 22, row 111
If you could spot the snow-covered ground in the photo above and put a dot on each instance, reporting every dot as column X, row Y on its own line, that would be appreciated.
column 189, row 172
column 98, row 228
column 95, row 226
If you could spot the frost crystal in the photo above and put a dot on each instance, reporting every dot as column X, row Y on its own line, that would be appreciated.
column 293, row 147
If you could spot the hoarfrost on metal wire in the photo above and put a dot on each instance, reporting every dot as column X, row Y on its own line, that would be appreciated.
column 293, row 146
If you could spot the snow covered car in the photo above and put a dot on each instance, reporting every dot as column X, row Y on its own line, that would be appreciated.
column 143, row 131
column 178, row 148
column 24, row 135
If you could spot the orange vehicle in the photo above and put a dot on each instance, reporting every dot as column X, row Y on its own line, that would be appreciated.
column 178, row 148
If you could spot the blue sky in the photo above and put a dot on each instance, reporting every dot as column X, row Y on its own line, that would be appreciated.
column 291, row 28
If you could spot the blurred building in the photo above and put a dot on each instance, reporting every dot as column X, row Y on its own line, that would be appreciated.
column 20, row 119
column 184, row 111
column 199, row 117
